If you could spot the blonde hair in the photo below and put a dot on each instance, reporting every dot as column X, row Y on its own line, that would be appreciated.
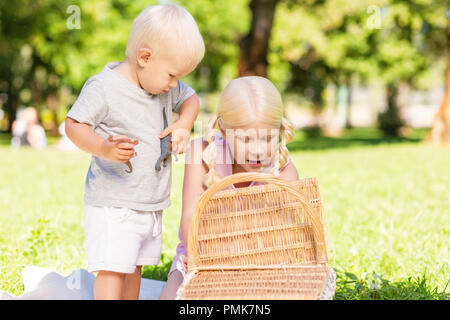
column 243, row 100
column 162, row 29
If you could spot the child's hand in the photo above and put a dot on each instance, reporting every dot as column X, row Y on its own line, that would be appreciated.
column 181, row 132
column 119, row 148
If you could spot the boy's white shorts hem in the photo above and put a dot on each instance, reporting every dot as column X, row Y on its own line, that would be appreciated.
column 121, row 268
column 119, row 239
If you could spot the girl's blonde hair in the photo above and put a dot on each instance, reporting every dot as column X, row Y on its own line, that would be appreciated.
column 242, row 101
column 162, row 29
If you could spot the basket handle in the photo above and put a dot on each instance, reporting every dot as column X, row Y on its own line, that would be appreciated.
column 245, row 177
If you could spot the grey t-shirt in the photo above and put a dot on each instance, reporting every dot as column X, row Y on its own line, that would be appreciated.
column 112, row 105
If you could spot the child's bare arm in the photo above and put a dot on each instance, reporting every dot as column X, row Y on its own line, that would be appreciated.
column 116, row 148
column 195, row 170
column 181, row 129
column 289, row 172
column 189, row 110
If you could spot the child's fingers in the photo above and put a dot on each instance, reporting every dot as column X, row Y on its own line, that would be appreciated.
column 183, row 147
column 176, row 147
column 119, row 137
column 167, row 131
column 125, row 158
column 183, row 143
column 124, row 152
column 122, row 158
column 180, row 147
column 122, row 138
column 125, row 145
column 176, row 143
column 173, row 146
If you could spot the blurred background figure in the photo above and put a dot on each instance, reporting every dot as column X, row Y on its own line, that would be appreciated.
column 27, row 131
column 64, row 143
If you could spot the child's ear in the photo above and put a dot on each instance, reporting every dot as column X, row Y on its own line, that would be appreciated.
column 143, row 56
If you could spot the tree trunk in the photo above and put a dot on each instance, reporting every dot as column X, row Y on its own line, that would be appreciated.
column 348, row 118
column 11, row 105
column 390, row 121
column 254, row 46
column 52, row 103
column 440, row 131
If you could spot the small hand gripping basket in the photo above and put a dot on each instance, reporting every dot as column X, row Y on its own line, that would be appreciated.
column 258, row 242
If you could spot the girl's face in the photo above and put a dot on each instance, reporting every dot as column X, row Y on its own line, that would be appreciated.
column 253, row 145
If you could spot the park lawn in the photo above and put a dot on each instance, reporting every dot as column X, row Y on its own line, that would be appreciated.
column 387, row 203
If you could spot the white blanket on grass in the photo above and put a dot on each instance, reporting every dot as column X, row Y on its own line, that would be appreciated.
column 46, row 284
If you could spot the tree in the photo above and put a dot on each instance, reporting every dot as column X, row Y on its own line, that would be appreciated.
column 400, row 57
column 340, row 41
column 440, row 131
column 254, row 46
column 40, row 53
column 323, row 42
column 222, row 24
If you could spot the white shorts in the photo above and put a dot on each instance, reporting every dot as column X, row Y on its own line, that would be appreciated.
column 119, row 239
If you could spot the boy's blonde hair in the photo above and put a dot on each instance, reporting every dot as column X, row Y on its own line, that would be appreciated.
column 243, row 100
column 166, row 30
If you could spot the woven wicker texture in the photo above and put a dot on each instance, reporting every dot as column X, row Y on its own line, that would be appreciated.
column 259, row 242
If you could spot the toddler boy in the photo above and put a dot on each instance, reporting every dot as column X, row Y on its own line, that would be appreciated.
column 118, row 118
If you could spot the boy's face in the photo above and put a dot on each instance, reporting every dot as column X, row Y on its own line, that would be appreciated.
column 157, row 74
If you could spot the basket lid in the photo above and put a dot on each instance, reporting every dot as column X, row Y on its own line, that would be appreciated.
column 265, row 226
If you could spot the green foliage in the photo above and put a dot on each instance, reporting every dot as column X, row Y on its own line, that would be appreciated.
column 160, row 271
column 39, row 239
column 42, row 53
column 375, row 287
column 343, row 42
column 222, row 24
column 312, row 43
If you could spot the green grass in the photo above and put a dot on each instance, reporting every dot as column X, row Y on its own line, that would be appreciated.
column 387, row 203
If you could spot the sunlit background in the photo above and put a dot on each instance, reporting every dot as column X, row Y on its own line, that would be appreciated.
column 366, row 85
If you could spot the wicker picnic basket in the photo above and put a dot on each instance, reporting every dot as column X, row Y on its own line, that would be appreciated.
column 259, row 242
